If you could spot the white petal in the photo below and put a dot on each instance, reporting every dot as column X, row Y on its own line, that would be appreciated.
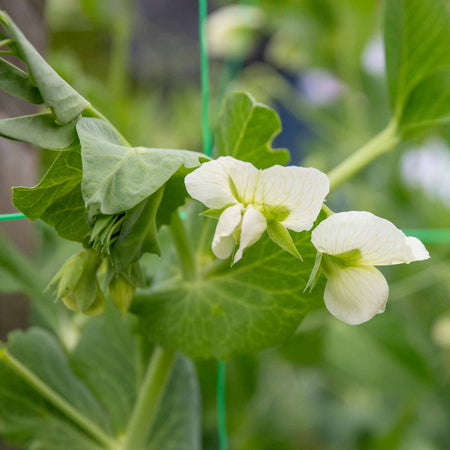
column 300, row 190
column 224, row 242
column 355, row 294
column 380, row 241
column 253, row 226
column 417, row 248
column 212, row 183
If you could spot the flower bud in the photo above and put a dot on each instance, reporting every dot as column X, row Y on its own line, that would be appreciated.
column 121, row 292
column 76, row 283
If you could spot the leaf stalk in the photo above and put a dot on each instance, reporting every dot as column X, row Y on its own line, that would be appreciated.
column 180, row 238
column 382, row 143
column 148, row 399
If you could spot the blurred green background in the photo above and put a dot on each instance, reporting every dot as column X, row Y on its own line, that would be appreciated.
column 319, row 63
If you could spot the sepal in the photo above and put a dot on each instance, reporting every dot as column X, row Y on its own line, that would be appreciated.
column 280, row 235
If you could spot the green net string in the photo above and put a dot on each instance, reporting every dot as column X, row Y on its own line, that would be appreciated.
column 13, row 216
column 207, row 144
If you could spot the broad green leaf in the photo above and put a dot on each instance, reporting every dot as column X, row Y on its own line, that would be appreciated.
column 115, row 177
column 17, row 82
column 40, row 353
column 26, row 419
column 138, row 232
column 97, row 377
column 177, row 425
column 428, row 104
column 65, row 103
column 57, row 198
column 417, row 45
column 253, row 305
column 245, row 130
column 104, row 358
column 40, row 130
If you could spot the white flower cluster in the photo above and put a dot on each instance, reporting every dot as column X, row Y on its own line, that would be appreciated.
column 249, row 201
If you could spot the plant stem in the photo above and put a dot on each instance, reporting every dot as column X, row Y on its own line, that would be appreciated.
column 118, row 66
column 382, row 143
column 148, row 399
column 91, row 111
column 327, row 210
column 182, row 244
column 59, row 402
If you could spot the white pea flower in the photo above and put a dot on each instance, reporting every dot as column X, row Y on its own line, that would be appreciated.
column 232, row 30
column 350, row 244
column 248, row 201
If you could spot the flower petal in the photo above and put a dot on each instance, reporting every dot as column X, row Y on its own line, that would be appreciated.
column 222, row 182
column 380, row 242
column 224, row 242
column 253, row 226
column 298, row 190
column 355, row 294
column 417, row 248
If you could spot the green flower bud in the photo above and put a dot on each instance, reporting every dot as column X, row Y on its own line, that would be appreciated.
column 121, row 292
column 76, row 283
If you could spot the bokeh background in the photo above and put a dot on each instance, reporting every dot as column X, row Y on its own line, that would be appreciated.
column 379, row 386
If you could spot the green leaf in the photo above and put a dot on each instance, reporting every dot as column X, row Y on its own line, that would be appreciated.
column 245, row 130
column 40, row 353
column 253, row 305
column 27, row 419
column 16, row 82
column 98, row 377
column 177, row 425
column 428, row 105
column 138, row 233
column 280, row 235
column 40, row 130
column 104, row 357
column 417, row 45
column 65, row 103
column 115, row 177
column 57, row 198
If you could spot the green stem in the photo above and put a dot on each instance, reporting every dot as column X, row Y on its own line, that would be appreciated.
column 58, row 401
column 327, row 210
column 91, row 111
column 148, row 399
column 4, row 42
column 380, row 144
column 182, row 244
column 118, row 66
column 143, row 352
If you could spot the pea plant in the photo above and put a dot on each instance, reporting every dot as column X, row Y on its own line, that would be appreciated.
column 238, row 247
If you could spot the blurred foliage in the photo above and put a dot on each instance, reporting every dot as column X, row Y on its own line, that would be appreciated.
column 382, row 385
